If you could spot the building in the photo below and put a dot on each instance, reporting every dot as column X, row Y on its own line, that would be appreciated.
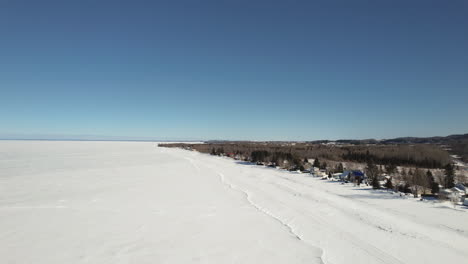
column 352, row 176
column 455, row 194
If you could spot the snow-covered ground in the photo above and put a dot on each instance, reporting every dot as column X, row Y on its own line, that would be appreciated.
column 131, row 202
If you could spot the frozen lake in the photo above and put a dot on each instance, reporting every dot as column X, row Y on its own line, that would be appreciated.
column 132, row 202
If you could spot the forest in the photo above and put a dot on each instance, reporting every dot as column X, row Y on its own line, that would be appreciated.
column 414, row 155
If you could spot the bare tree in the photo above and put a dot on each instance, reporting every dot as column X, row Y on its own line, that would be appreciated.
column 418, row 182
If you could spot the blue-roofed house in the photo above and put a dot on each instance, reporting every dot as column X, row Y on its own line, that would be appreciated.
column 353, row 175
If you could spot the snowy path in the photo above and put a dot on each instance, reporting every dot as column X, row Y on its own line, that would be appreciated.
column 129, row 202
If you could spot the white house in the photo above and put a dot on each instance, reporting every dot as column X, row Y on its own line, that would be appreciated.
column 453, row 193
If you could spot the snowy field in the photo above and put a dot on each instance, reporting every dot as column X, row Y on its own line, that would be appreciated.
column 131, row 202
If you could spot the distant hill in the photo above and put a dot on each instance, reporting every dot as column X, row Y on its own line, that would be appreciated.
column 455, row 144
column 427, row 140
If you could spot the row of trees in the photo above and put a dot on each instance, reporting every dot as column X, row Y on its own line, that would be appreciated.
column 414, row 181
column 278, row 158
column 391, row 160
column 217, row 151
column 291, row 161
column 418, row 155
column 323, row 165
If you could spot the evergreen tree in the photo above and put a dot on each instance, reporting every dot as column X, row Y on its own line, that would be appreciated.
column 435, row 188
column 389, row 184
column 375, row 183
column 316, row 163
column 390, row 168
column 449, row 176
column 323, row 166
column 213, row 151
column 429, row 175
column 340, row 167
column 372, row 172
column 306, row 160
column 407, row 188
column 220, row 151
column 431, row 182
column 296, row 160
column 259, row 155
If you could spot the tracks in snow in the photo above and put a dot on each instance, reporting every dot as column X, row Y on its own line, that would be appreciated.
column 304, row 209
column 314, row 218
column 263, row 210
column 248, row 197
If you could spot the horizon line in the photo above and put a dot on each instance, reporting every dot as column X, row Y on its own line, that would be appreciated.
column 199, row 140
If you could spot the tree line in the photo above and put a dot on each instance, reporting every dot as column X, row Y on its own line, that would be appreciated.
column 418, row 155
column 412, row 180
column 364, row 157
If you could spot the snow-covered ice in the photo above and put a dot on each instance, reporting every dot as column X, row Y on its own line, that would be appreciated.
column 132, row 202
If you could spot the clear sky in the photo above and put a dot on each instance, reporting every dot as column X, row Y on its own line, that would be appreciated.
column 259, row 70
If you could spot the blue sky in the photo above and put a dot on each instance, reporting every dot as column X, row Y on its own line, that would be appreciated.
column 251, row 70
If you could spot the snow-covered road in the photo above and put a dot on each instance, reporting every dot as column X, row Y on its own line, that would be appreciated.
column 130, row 202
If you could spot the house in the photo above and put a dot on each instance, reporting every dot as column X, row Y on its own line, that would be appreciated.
column 461, row 187
column 318, row 173
column 336, row 176
column 353, row 175
column 453, row 193
column 463, row 196
column 239, row 157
